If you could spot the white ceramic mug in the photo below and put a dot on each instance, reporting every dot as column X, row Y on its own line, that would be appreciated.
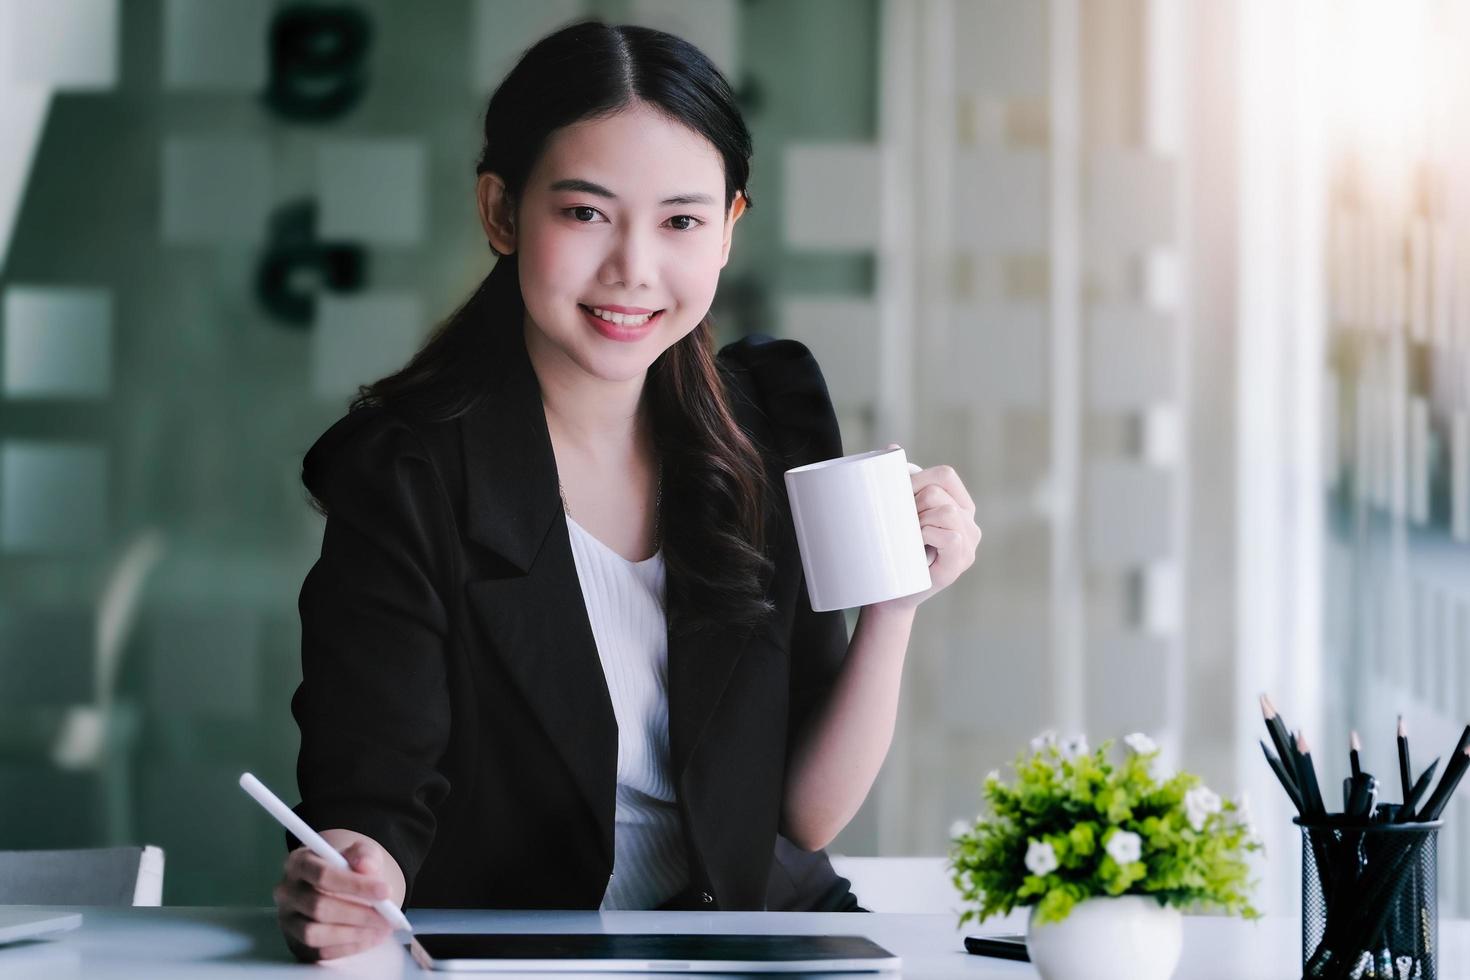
column 857, row 528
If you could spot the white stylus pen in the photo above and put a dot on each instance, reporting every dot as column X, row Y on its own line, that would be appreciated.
column 313, row 840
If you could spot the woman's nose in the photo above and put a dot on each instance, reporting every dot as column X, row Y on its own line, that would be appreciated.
column 631, row 261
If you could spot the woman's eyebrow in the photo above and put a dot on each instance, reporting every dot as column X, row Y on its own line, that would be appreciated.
column 588, row 187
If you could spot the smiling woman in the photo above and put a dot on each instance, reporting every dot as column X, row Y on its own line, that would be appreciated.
column 558, row 650
column 507, row 706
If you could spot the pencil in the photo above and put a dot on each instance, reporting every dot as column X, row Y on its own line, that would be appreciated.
column 1404, row 768
column 1406, row 813
column 1276, row 728
column 1463, row 743
column 1311, row 794
column 1435, row 805
column 1286, row 783
column 1354, row 747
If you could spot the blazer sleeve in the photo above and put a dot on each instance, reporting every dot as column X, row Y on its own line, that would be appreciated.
column 784, row 382
column 373, row 705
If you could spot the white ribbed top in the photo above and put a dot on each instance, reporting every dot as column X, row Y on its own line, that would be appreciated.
column 625, row 603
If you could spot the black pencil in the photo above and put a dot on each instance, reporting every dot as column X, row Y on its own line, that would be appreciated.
column 1276, row 728
column 1286, row 783
column 1311, row 794
column 1406, row 813
column 1405, row 779
column 1463, row 743
column 1355, row 745
column 1435, row 805
column 1354, row 795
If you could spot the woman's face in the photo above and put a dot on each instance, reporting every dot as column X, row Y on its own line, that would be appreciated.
column 623, row 214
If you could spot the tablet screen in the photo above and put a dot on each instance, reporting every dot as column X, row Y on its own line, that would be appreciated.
column 641, row 946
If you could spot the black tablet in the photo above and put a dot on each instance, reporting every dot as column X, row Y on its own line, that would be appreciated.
column 649, row 952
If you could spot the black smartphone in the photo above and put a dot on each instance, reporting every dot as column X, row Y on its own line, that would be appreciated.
column 1005, row 947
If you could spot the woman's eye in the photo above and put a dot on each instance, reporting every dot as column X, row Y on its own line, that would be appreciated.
column 583, row 214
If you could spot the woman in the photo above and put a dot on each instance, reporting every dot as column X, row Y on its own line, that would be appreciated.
column 557, row 652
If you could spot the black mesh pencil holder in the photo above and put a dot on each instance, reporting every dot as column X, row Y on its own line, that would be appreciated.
column 1369, row 905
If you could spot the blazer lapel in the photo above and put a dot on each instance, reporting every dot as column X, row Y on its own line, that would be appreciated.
column 699, row 669
column 535, row 616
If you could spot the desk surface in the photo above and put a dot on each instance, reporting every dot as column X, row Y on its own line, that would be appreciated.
column 244, row 942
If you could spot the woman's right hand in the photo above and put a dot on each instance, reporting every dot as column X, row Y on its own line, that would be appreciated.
column 326, row 912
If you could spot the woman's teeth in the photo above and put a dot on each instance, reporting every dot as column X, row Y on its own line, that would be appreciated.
column 621, row 319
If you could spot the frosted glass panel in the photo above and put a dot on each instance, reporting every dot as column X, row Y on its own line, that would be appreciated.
column 215, row 191
column 359, row 339
column 204, row 662
column 1129, row 201
column 48, row 808
column 1128, row 508
column 994, row 675
column 58, row 343
column 1130, row 357
column 502, row 29
column 1460, row 479
column 830, row 190
column 1418, row 463
column 45, row 657
column 843, row 337
column 713, row 26
column 1161, row 601
column 1161, row 435
column 1117, row 703
column 1001, row 201
column 177, row 797
column 997, row 356
column 372, row 190
column 53, row 497
column 1002, row 47
column 215, row 46
column 64, row 44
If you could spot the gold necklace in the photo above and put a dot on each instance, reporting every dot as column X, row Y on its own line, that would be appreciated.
column 658, row 509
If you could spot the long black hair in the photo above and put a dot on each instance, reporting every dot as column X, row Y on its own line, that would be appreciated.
column 716, row 491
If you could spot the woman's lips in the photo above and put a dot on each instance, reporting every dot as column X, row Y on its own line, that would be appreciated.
column 614, row 331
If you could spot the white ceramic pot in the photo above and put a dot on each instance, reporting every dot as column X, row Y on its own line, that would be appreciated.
column 1131, row 937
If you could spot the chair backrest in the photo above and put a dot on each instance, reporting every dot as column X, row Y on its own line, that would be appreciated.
column 94, row 876
column 899, row 884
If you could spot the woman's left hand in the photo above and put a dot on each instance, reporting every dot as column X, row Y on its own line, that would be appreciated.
column 947, row 522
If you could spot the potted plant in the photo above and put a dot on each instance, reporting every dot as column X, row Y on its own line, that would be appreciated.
column 1105, row 855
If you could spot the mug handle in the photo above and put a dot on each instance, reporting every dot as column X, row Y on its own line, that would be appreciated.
column 928, row 548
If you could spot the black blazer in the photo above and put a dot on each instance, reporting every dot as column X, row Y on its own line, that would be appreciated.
column 453, row 706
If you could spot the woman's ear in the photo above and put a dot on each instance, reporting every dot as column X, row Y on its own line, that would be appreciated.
column 497, row 213
column 737, row 208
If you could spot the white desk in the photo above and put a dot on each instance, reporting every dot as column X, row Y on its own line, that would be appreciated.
column 236, row 942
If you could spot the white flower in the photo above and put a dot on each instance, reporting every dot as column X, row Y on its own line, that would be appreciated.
column 958, row 829
column 1125, row 847
column 1074, row 746
column 1140, row 743
column 1199, row 803
column 1045, row 740
column 1040, row 858
column 1244, row 815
